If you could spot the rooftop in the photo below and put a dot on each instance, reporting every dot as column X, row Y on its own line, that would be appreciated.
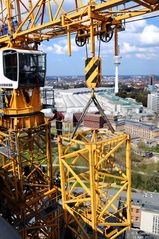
column 143, row 125
column 127, row 102
column 148, row 200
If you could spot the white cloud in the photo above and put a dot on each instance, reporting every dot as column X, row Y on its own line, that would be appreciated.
column 139, row 51
column 59, row 48
column 135, row 26
column 150, row 35
column 127, row 48
column 146, row 56
column 140, row 41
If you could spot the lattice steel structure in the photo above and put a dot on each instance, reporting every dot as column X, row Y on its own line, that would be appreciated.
column 26, row 22
column 28, row 200
column 93, row 176
column 27, row 190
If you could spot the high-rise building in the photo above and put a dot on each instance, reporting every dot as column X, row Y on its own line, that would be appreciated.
column 151, row 80
column 153, row 101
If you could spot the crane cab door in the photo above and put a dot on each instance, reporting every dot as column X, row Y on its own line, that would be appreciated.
column 9, row 69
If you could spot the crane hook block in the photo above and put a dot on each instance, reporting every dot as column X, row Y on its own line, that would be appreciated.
column 93, row 72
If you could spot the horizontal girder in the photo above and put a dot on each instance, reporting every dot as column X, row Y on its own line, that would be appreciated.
column 30, row 21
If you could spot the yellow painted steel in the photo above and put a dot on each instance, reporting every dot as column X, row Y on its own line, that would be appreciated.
column 90, row 165
column 20, row 113
column 28, row 199
column 33, row 24
column 93, row 177
column 19, row 105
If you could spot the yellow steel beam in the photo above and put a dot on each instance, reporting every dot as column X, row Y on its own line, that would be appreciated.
column 128, row 171
column 76, row 177
column 63, row 22
column 117, row 211
column 92, row 203
column 110, row 175
column 114, row 198
column 26, row 187
column 119, row 233
column 73, row 154
column 78, row 200
column 144, row 3
column 59, row 8
column 111, row 152
column 77, row 221
column 93, row 191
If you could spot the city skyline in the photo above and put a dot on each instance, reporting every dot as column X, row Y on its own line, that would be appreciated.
column 138, row 48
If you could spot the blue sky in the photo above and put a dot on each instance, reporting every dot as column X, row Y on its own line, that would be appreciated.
column 139, row 49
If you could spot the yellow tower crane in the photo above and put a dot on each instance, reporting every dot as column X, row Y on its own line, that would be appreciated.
column 28, row 198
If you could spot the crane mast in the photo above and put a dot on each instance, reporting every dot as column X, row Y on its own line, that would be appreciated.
column 26, row 173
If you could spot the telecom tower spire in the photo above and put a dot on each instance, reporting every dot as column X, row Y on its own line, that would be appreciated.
column 116, row 61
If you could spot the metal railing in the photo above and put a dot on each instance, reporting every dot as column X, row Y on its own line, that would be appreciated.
column 48, row 99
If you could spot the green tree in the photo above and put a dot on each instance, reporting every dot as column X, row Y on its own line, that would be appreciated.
column 153, row 183
column 141, row 146
column 137, row 181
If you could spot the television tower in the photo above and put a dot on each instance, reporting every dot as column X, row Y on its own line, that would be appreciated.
column 116, row 60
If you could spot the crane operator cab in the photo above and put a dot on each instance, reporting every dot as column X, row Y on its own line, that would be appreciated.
column 22, row 73
column 22, row 68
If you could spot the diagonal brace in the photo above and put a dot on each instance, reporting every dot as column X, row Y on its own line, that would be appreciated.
column 101, row 111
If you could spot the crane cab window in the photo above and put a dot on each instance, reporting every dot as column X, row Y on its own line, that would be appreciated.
column 32, row 70
column 10, row 64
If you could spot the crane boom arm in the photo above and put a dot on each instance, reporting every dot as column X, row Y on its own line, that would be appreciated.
column 45, row 19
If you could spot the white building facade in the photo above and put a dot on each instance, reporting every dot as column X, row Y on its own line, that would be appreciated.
column 150, row 221
column 153, row 101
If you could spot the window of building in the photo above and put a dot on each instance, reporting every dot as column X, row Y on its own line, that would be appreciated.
column 155, row 225
column 137, row 219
